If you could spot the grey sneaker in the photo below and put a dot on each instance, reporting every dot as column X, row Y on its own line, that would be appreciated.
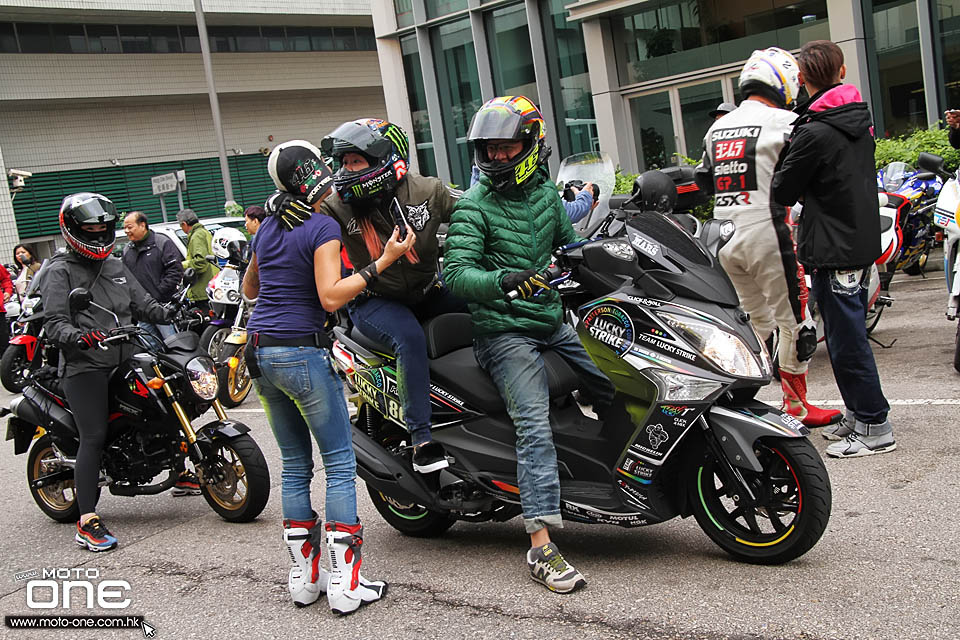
column 840, row 430
column 867, row 443
column 548, row 567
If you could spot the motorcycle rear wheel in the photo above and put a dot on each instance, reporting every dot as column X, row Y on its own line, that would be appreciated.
column 58, row 501
column 956, row 350
column 873, row 317
column 917, row 267
column 795, row 501
column 235, row 384
column 13, row 368
column 243, row 484
column 410, row 519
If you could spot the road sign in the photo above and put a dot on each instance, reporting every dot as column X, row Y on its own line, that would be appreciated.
column 167, row 183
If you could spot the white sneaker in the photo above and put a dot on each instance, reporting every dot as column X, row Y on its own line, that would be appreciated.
column 842, row 429
column 548, row 567
column 864, row 441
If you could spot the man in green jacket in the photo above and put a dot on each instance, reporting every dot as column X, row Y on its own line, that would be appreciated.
column 199, row 246
column 502, row 234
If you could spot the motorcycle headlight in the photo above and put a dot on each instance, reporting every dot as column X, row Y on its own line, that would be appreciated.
column 202, row 377
column 724, row 349
column 679, row 387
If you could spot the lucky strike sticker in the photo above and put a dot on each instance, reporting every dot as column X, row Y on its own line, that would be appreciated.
column 612, row 326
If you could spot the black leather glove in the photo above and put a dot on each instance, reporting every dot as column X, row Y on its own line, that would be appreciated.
column 806, row 343
column 525, row 283
column 287, row 209
column 91, row 339
column 189, row 316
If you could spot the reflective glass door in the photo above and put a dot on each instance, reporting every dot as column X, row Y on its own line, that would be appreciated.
column 653, row 131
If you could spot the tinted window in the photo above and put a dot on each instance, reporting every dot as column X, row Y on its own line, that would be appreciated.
column 34, row 38
column 103, row 38
column 69, row 38
column 8, row 41
column 134, row 38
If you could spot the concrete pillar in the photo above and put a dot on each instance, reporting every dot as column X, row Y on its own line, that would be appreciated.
column 9, row 237
column 607, row 101
column 846, row 29
column 391, row 73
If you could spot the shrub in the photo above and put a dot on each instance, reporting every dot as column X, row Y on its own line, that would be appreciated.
column 907, row 148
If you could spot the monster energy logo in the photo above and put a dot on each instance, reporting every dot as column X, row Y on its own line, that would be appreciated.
column 396, row 136
column 357, row 190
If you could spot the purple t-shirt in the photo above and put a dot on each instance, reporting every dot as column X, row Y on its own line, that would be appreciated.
column 288, row 305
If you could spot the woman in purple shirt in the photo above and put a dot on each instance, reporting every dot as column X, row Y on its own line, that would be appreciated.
column 295, row 275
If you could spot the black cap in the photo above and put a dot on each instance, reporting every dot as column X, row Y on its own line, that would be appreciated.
column 723, row 108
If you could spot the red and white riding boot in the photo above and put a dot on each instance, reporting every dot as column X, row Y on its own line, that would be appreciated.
column 347, row 589
column 305, row 543
column 795, row 402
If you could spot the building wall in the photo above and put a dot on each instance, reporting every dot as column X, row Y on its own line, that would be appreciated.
column 211, row 7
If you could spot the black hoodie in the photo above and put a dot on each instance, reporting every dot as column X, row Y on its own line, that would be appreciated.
column 829, row 164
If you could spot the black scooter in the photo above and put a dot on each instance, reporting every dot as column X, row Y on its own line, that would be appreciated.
column 684, row 436
column 155, row 395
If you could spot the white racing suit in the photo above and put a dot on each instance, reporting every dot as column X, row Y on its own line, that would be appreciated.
column 741, row 152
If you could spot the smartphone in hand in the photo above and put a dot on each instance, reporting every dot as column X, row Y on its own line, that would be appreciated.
column 399, row 219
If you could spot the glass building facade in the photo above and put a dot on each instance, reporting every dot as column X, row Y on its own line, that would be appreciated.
column 654, row 69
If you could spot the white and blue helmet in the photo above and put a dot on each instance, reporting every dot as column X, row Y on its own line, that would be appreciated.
column 771, row 73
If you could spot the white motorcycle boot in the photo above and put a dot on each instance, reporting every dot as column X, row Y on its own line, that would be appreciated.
column 305, row 543
column 347, row 589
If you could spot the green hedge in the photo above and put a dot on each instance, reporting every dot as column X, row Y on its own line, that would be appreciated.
column 907, row 148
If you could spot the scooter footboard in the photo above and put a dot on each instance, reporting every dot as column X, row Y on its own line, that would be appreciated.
column 378, row 469
column 737, row 428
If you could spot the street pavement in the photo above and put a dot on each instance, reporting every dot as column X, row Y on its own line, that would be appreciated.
column 887, row 566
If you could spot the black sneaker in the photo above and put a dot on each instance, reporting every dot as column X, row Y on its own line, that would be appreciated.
column 188, row 484
column 429, row 457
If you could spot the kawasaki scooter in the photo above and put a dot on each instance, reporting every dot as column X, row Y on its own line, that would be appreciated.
column 684, row 435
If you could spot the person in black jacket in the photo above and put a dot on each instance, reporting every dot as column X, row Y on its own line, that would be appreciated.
column 829, row 166
column 155, row 262
column 88, row 222
column 953, row 122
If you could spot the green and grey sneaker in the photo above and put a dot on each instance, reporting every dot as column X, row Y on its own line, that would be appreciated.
column 548, row 567
column 840, row 430
column 866, row 440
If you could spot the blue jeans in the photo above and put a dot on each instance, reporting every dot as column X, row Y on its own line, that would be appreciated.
column 158, row 332
column 844, row 311
column 514, row 362
column 398, row 325
column 302, row 394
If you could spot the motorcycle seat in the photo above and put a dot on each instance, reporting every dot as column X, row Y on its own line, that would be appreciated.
column 183, row 341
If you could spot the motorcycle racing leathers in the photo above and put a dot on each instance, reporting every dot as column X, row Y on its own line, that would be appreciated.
column 740, row 154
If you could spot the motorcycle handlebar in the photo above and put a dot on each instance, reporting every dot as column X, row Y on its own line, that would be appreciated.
column 552, row 274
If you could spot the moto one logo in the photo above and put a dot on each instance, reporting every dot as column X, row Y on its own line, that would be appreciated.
column 64, row 587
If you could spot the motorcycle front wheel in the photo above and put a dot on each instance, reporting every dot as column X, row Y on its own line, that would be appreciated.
column 14, row 367
column 793, row 502
column 241, row 484
column 212, row 339
column 235, row 383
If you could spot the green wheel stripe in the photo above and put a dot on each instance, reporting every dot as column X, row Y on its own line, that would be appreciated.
column 395, row 512
column 702, row 501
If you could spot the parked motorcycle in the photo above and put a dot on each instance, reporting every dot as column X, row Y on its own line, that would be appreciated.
column 29, row 348
column 921, row 189
column 684, row 435
column 947, row 216
column 155, row 395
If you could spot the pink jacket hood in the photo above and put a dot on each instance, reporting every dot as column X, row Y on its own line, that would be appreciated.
column 838, row 96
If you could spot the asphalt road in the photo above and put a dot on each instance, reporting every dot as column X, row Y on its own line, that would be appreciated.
column 887, row 566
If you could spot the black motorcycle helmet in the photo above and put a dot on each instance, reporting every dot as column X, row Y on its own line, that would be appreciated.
column 655, row 191
column 386, row 149
column 86, row 208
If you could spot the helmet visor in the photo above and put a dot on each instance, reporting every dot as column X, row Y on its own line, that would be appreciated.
column 495, row 122
column 94, row 210
column 355, row 134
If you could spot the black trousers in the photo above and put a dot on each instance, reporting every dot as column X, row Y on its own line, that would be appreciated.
column 87, row 395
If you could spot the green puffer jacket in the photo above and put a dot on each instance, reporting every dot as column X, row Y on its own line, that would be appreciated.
column 493, row 234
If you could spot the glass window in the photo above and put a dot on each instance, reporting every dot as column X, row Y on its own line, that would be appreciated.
column 570, row 81
column 298, row 38
column 248, row 38
column 69, row 38
column 191, row 39
column 8, row 39
column 34, row 38
column 947, row 24
column 898, row 95
column 510, row 57
column 273, row 38
column 458, row 82
column 221, row 39
column 344, row 39
column 695, row 103
column 164, row 39
column 437, row 8
column 685, row 35
column 366, row 40
column 418, row 105
column 404, row 11
column 653, row 130
column 103, row 38
column 134, row 38
column 321, row 39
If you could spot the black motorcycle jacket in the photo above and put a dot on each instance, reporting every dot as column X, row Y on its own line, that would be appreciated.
column 156, row 264
column 426, row 203
column 829, row 165
column 112, row 287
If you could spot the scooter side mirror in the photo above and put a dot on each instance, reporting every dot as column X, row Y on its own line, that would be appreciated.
column 714, row 234
column 79, row 300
